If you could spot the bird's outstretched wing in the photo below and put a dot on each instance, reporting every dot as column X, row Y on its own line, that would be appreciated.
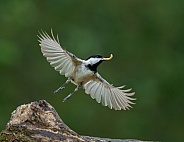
column 62, row 60
column 110, row 96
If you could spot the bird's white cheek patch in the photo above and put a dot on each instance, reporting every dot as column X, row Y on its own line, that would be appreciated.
column 93, row 61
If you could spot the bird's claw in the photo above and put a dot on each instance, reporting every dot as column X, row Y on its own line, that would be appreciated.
column 60, row 88
column 67, row 97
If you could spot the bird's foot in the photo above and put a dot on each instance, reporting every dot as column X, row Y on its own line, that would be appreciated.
column 67, row 97
column 60, row 88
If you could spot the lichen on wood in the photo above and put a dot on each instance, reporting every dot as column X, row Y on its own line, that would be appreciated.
column 39, row 121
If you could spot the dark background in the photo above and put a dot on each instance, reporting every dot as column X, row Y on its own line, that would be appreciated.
column 146, row 38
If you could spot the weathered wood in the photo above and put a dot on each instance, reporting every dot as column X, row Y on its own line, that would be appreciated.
column 39, row 121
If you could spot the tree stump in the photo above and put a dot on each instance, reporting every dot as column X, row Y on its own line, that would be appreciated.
column 39, row 122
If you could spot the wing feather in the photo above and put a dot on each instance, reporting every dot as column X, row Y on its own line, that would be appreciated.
column 124, row 102
column 107, row 94
column 121, row 102
column 94, row 90
column 98, row 90
column 62, row 60
column 91, row 84
column 59, row 67
column 104, row 97
column 101, row 90
column 109, row 98
column 115, row 101
column 65, row 66
column 50, row 59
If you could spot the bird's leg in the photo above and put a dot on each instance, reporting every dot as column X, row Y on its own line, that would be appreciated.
column 63, row 86
column 67, row 97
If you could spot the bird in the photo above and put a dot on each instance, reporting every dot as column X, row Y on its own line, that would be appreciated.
column 84, row 74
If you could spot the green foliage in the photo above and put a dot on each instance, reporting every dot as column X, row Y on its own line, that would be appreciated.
column 146, row 39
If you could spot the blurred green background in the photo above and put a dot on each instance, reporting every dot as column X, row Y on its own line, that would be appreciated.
column 146, row 38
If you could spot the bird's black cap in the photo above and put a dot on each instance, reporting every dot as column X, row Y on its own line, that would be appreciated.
column 95, row 56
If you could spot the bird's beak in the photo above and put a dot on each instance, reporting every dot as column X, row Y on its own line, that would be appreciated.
column 107, row 59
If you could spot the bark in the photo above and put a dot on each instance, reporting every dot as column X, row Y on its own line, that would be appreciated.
column 39, row 121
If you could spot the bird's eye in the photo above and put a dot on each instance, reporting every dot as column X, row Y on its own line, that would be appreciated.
column 98, row 56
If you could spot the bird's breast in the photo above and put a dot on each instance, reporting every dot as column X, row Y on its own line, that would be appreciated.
column 82, row 74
